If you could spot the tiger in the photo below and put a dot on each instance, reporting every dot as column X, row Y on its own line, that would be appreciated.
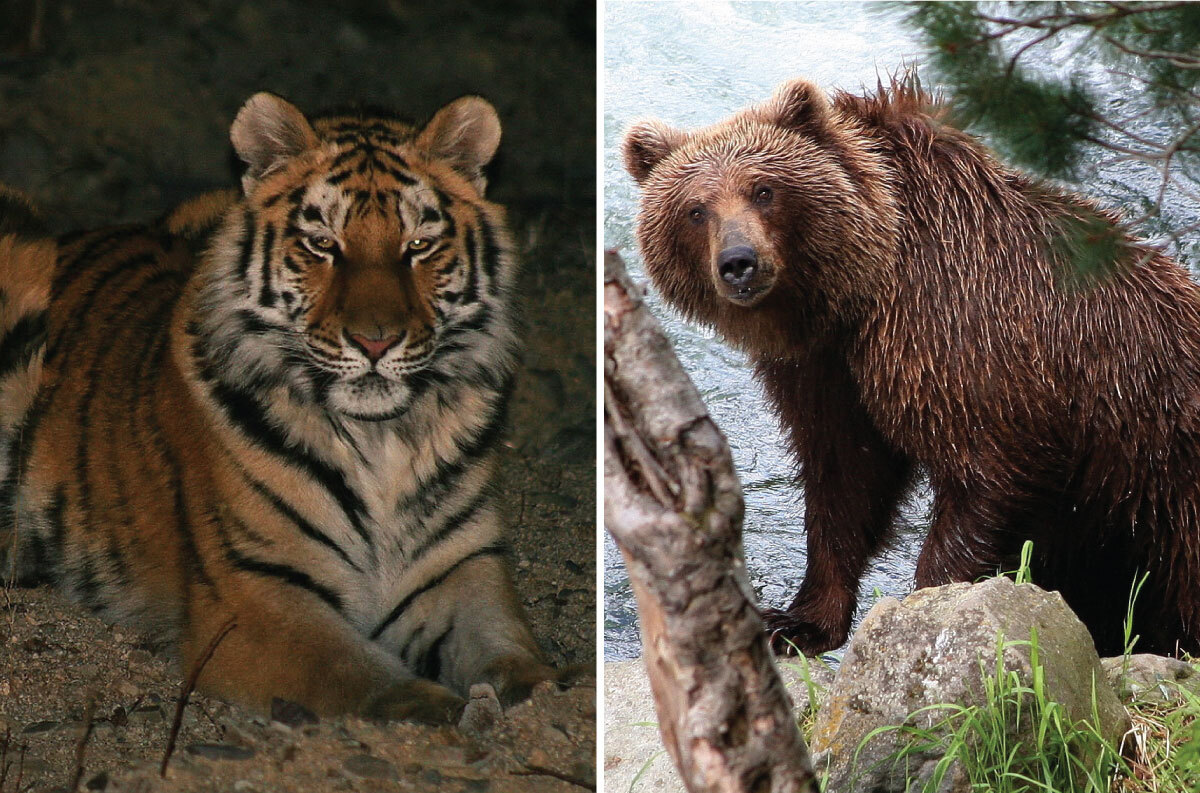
column 265, row 427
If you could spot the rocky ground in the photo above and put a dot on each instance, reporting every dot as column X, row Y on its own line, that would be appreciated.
column 113, row 111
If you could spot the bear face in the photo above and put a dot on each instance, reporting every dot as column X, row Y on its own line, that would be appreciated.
column 779, row 210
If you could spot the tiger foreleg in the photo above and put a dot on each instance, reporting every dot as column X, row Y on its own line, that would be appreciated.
column 280, row 647
column 471, row 629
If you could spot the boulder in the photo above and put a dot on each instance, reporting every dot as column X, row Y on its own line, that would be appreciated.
column 936, row 647
column 1151, row 678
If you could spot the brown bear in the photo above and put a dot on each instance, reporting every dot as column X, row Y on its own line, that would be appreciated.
column 912, row 306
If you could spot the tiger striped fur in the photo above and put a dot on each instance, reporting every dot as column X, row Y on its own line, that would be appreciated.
column 295, row 428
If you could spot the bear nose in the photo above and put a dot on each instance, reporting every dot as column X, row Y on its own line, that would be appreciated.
column 374, row 349
column 736, row 265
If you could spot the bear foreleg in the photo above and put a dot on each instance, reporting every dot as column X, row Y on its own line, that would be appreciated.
column 852, row 482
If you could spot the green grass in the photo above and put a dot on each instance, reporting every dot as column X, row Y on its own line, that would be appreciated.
column 1016, row 739
column 802, row 666
column 1019, row 740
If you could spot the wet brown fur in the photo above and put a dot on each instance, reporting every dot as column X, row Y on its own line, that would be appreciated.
column 920, row 318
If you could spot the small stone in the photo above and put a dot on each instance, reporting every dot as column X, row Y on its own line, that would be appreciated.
column 40, row 726
column 291, row 714
column 220, row 751
column 231, row 733
column 140, row 657
column 35, row 645
column 1151, row 678
column 128, row 690
column 545, row 688
column 146, row 714
column 368, row 767
column 244, row 786
column 553, row 734
column 32, row 766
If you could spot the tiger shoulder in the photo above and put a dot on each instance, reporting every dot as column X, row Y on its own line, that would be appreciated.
column 280, row 410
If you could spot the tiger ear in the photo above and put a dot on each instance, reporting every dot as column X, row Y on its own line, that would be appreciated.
column 466, row 133
column 267, row 131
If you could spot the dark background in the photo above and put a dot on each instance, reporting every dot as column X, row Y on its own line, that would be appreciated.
column 112, row 110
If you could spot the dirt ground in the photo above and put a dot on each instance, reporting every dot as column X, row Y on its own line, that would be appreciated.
column 112, row 112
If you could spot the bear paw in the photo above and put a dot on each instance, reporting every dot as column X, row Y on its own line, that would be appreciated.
column 790, row 634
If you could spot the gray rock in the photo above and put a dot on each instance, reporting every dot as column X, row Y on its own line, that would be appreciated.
column 934, row 648
column 41, row 726
column 220, row 751
column 1151, row 678
column 368, row 767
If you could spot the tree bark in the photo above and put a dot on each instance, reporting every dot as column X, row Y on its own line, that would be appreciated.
column 674, row 506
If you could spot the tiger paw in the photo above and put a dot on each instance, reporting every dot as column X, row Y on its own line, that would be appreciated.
column 420, row 701
column 514, row 677
column 576, row 675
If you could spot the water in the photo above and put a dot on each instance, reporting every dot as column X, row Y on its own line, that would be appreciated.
column 692, row 64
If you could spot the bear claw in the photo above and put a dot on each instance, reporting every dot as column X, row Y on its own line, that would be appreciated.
column 791, row 635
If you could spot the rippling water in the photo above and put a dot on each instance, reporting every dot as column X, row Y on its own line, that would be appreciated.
column 691, row 64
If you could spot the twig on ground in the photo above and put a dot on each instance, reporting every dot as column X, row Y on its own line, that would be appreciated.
column 189, row 686
column 537, row 770
column 89, row 722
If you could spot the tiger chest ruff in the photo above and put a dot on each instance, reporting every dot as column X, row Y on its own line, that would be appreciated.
column 393, row 284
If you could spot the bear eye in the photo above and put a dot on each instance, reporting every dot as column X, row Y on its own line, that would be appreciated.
column 320, row 242
column 419, row 244
column 697, row 215
column 763, row 195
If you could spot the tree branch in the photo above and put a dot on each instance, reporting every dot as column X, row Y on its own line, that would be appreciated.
column 674, row 506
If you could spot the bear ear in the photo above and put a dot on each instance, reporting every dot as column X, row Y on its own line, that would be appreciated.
column 646, row 144
column 466, row 133
column 798, row 105
column 267, row 131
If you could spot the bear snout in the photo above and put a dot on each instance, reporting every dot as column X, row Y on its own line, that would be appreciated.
column 741, row 276
column 737, row 265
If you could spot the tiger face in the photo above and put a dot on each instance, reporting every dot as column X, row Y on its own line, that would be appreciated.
column 367, row 251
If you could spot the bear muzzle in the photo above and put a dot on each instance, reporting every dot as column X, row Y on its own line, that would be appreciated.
column 741, row 277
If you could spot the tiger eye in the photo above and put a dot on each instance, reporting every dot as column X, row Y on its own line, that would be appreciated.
column 419, row 244
column 322, row 242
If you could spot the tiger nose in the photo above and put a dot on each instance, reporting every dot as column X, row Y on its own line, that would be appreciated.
column 374, row 349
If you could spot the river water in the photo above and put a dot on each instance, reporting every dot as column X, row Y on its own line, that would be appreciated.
column 694, row 63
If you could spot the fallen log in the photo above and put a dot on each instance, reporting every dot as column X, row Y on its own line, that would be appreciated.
column 673, row 504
